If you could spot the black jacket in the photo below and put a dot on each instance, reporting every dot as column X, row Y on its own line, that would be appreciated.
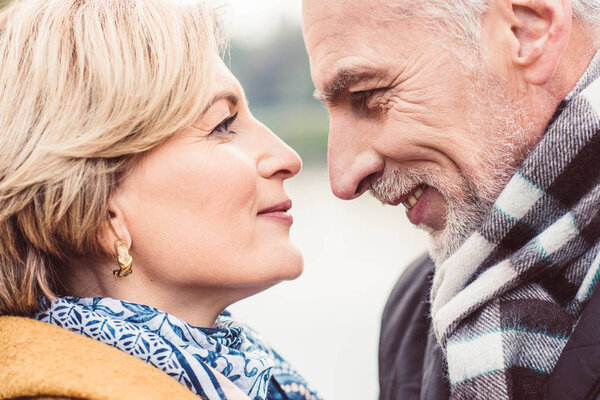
column 411, row 365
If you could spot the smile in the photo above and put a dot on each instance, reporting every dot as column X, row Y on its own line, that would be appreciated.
column 412, row 200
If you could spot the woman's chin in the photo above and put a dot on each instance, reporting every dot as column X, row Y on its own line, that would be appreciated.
column 294, row 273
column 289, row 264
column 287, row 269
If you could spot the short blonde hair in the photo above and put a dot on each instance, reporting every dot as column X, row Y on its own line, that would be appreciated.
column 86, row 87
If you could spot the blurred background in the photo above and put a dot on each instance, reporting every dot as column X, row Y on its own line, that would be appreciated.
column 267, row 55
column 326, row 323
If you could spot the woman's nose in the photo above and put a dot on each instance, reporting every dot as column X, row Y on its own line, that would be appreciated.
column 278, row 159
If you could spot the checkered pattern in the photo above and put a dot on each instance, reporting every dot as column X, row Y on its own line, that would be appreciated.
column 505, row 304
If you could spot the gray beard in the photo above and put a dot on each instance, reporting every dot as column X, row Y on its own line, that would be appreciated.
column 465, row 209
column 469, row 195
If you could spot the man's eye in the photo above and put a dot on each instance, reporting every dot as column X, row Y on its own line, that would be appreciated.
column 367, row 102
column 223, row 128
column 362, row 95
column 360, row 100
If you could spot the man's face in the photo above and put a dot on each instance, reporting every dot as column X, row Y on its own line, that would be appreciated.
column 409, row 121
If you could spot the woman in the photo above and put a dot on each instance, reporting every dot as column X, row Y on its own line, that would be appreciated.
column 138, row 199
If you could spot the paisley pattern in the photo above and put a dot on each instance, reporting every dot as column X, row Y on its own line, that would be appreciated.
column 181, row 350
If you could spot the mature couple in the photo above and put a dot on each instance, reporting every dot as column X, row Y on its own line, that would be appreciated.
column 139, row 197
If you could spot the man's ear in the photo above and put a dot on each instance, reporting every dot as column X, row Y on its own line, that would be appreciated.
column 115, row 229
column 540, row 30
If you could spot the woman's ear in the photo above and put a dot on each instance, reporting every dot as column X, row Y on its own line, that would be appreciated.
column 115, row 229
column 540, row 30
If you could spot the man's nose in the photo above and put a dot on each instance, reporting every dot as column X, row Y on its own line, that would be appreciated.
column 353, row 164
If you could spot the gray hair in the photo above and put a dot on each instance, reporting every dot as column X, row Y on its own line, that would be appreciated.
column 462, row 18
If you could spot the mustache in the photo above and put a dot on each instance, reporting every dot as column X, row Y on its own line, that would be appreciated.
column 395, row 183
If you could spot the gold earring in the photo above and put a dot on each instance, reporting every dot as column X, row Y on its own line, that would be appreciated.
column 125, row 260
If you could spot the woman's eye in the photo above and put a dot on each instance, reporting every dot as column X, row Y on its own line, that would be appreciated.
column 223, row 128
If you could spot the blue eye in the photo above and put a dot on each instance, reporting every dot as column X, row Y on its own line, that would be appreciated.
column 223, row 128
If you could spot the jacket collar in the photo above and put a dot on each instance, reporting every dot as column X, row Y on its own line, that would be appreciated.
column 577, row 372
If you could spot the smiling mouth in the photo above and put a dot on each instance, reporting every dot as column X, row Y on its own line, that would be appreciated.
column 413, row 198
column 410, row 199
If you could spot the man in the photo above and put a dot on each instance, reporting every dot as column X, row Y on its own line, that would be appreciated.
column 481, row 117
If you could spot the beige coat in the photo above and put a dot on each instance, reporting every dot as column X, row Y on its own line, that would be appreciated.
column 42, row 361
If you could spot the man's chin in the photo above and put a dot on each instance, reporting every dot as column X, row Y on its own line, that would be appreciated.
column 441, row 248
column 440, row 245
column 459, row 226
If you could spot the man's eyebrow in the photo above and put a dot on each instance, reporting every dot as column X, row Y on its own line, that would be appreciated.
column 337, row 86
column 225, row 95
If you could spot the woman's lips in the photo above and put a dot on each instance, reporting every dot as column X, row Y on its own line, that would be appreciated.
column 278, row 216
column 278, row 212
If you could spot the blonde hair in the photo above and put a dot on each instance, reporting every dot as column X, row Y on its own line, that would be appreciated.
column 87, row 86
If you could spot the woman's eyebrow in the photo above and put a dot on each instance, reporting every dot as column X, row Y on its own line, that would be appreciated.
column 226, row 95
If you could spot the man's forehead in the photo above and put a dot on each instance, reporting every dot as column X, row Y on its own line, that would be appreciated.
column 348, row 12
column 317, row 8
column 334, row 30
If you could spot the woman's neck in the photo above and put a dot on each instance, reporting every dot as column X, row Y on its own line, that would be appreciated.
column 195, row 305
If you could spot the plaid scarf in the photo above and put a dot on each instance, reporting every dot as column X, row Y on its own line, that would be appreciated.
column 505, row 304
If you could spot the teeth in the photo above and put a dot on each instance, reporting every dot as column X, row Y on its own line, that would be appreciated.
column 413, row 199
column 418, row 193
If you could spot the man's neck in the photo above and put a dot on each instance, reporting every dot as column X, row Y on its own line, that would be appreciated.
column 581, row 48
column 543, row 101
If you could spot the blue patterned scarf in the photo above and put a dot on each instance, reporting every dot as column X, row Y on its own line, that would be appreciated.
column 183, row 351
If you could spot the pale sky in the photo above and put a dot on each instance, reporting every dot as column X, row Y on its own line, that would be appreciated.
column 254, row 20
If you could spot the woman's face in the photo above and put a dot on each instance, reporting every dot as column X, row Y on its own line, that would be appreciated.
column 207, row 211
